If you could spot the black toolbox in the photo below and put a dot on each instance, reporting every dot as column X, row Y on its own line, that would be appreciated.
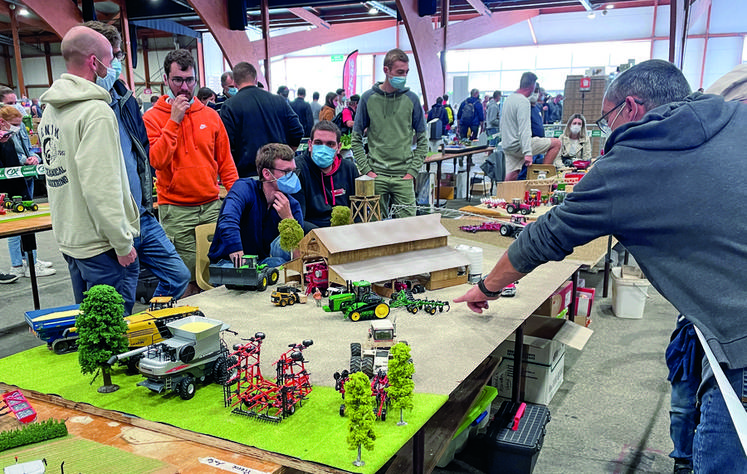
column 502, row 450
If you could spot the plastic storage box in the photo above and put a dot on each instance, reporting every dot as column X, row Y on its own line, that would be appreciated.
column 476, row 421
column 504, row 451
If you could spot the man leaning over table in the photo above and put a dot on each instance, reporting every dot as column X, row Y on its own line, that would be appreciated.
column 94, row 217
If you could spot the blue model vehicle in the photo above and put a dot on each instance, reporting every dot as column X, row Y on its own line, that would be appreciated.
column 56, row 327
column 249, row 276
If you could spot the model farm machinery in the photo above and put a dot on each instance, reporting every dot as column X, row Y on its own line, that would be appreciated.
column 18, row 204
column 379, row 385
column 251, row 394
column 251, row 275
column 404, row 299
column 359, row 301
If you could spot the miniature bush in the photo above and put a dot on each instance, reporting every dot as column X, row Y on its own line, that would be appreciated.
column 400, row 370
column 291, row 234
column 102, row 328
column 340, row 216
column 32, row 433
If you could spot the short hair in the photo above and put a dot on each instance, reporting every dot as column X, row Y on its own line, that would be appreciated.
column 301, row 92
column 355, row 98
column 8, row 112
column 528, row 79
column 393, row 55
column 109, row 32
column 655, row 82
column 204, row 93
column 271, row 152
column 496, row 94
column 181, row 57
column 224, row 78
column 5, row 91
column 283, row 91
column 328, row 126
column 446, row 97
column 439, row 100
column 567, row 130
column 244, row 73
column 474, row 92
column 315, row 96
column 340, row 91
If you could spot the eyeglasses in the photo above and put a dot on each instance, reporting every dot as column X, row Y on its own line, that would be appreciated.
column 285, row 172
column 178, row 81
column 602, row 121
column 120, row 55
column 330, row 144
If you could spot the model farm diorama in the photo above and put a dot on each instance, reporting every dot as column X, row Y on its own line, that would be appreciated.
column 175, row 348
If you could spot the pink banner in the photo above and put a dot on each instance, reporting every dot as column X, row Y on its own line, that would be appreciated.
column 349, row 73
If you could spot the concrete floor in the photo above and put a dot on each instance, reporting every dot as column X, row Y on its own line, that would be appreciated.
column 609, row 416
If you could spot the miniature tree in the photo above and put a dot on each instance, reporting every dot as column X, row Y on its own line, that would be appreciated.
column 358, row 401
column 102, row 328
column 340, row 216
column 399, row 371
column 291, row 234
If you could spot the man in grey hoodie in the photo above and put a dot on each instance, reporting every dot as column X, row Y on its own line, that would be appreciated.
column 94, row 217
column 660, row 149
column 392, row 114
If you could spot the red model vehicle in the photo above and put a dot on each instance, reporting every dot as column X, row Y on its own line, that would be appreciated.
column 516, row 206
column 315, row 276
column 17, row 404
column 379, row 384
column 254, row 395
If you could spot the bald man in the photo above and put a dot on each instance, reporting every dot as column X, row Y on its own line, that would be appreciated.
column 94, row 217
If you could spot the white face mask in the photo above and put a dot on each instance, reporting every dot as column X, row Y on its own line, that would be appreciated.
column 575, row 129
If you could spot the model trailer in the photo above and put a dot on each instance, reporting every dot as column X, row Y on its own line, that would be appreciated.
column 195, row 353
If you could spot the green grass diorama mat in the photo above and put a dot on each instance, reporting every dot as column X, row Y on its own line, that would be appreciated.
column 316, row 432
column 81, row 455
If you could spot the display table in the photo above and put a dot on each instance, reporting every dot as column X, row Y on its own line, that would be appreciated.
column 27, row 224
column 453, row 353
column 438, row 158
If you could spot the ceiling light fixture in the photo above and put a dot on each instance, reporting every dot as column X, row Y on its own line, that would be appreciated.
column 591, row 15
column 609, row 6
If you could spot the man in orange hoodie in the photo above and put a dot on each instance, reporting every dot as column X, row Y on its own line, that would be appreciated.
column 189, row 150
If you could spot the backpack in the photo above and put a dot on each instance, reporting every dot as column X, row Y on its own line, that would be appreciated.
column 450, row 114
column 468, row 112
column 337, row 120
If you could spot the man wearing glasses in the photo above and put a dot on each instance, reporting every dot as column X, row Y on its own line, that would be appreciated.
column 94, row 217
column 328, row 180
column 663, row 144
column 251, row 212
column 155, row 251
column 189, row 150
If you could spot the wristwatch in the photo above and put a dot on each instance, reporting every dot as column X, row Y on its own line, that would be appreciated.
column 485, row 291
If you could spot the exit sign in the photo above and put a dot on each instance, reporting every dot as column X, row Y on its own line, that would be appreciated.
column 596, row 133
column 338, row 58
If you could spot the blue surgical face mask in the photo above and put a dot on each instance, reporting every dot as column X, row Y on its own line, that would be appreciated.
column 323, row 156
column 112, row 74
column 172, row 96
column 289, row 184
column 232, row 91
column 398, row 82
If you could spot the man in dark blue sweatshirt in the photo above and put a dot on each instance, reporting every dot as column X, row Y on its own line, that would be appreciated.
column 660, row 149
column 326, row 179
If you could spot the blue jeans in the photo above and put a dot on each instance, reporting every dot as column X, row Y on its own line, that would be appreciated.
column 683, row 417
column 14, row 249
column 716, row 447
column 156, row 253
column 278, row 256
column 103, row 269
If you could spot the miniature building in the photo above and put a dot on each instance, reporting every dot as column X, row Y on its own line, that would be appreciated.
column 385, row 251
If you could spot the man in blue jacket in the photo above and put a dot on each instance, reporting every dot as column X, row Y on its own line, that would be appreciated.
column 470, row 116
column 661, row 148
column 249, row 218
column 155, row 250
column 254, row 117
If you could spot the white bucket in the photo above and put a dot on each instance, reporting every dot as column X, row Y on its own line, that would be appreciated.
column 474, row 254
column 629, row 292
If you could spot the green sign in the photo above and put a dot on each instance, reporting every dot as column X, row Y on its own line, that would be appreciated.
column 338, row 58
column 22, row 171
column 596, row 133
column 558, row 133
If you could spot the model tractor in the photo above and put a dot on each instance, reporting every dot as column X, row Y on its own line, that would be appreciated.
column 316, row 275
column 17, row 204
column 195, row 353
column 359, row 301
column 373, row 356
column 258, row 397
column 249, row 276
column 284, row 296
column 516, row 206
column 513, row 227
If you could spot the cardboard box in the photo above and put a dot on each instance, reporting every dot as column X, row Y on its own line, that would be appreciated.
column 540, row 382
column 545, row 342
column 584, row 302
column 446, row 192
column 557, row 302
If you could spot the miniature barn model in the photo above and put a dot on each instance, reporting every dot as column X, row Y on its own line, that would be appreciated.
column 384, row 251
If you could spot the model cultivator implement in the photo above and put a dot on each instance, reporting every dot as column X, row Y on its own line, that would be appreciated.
column 251, row 394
